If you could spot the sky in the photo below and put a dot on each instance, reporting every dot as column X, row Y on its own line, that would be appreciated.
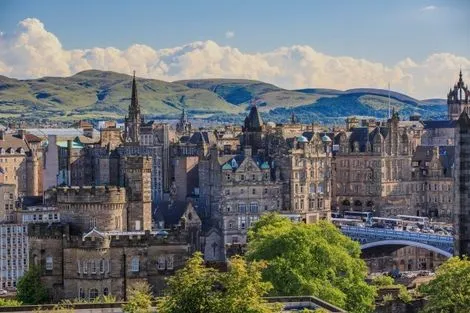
column 418, row 46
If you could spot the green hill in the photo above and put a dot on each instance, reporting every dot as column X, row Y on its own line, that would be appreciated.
column 101, row 95
column 97, row 94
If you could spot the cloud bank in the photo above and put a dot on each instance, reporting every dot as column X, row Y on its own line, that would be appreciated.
column 31, row 52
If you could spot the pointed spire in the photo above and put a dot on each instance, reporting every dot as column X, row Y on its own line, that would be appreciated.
column 134, row 100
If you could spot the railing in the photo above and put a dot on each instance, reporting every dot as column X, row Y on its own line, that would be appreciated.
column 354, row 230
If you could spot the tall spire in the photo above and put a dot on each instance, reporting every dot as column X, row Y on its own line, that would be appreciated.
column 134, row 100
column 133, row 120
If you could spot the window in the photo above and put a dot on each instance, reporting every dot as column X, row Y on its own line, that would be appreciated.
column 135, row 264
column 161, row 263
column 102, row 266
column 93, row 267
column 242, row 208
column 81, row 293
column 253, row 191
column 253, row 177
column 137, row 225
column 105, row 291
column 169, row 262
column 265, row 190
column 85, row 267
column 228, row 176
column 227, row 192
column 93, row 293
column 254, row 207
column 242, row 177
column 78, row 267
column 49, row 263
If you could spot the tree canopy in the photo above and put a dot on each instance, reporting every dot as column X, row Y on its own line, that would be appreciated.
column 139, row 299
column 450, row 290
column 311, row 259
column 199, row 289
column 29, row 289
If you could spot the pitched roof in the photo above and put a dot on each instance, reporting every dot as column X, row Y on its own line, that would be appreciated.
column 439, row 124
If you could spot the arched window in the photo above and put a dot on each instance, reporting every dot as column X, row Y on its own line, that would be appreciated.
column 135, row 264
column 94, row 293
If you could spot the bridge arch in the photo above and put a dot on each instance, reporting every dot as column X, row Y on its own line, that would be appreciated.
column 405, row 243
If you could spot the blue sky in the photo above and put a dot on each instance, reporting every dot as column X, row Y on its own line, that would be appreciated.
column 385, row 31
column 418, row 46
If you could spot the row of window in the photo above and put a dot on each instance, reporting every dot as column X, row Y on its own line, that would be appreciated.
column 243, row 177
column 253, row 191
column 163, row 263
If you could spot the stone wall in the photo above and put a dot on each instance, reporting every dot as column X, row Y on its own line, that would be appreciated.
column 87, row 207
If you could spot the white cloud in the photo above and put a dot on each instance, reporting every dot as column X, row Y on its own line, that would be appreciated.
column 429, row 8
column 33, row 52
column 229, row 34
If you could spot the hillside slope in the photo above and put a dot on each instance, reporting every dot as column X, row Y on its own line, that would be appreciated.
column 99, row 95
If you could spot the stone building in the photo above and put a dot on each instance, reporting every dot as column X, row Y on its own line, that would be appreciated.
column 372, row 166
column 8, row 202
column 20, row 162
column 100, row 163
column 303, row 160
column 432, row 182
column 104, row 242
column 273, row 169
column 235, row 190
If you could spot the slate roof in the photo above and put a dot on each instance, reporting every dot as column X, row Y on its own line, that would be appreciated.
column 439, row 124
column 425, row 154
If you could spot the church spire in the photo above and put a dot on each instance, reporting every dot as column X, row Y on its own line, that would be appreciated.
column 133, row 120
column 134, row 100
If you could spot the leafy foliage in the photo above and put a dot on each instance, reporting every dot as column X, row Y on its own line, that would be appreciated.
column 313, row 259
column 383, row 281
column 29, row 289
column 139, row 299
column 199, row 289
column 450, row 290
column 9, row 302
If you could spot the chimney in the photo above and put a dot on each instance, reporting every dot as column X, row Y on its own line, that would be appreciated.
column 2, row 134
column 21, row 133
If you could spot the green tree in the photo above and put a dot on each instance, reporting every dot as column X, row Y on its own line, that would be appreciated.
column 449, row 291
column 139, row 299
column 383, row 281
column 199, row 289
column 30, row 289
column 311, row 259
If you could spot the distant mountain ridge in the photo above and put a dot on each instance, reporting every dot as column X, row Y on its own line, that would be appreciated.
column 97, row 94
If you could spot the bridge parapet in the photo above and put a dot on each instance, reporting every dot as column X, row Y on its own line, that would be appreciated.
column 367, row 235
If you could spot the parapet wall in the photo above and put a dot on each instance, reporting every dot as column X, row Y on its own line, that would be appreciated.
column 91, row 194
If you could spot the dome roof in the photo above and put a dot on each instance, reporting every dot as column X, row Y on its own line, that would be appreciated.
column 325, row 138
column 302, row 139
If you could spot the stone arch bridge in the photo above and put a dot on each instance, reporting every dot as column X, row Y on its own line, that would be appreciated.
column 377, row 237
